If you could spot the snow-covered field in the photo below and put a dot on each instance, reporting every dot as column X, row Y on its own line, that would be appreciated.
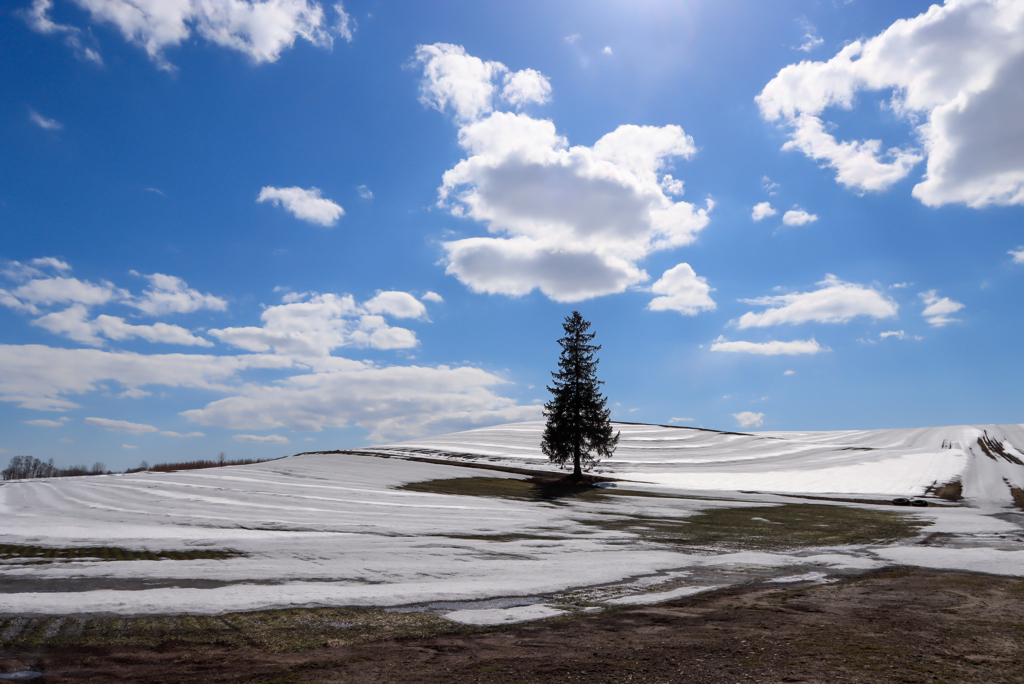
column 332, row 529
column 882, row 462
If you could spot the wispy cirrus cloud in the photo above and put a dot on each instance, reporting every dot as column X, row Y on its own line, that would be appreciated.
column 261, row 439
column 120, row 426
column 835, row 301
column 43, row 122
column 37, row 16
column 45, row 422
column 772, row 348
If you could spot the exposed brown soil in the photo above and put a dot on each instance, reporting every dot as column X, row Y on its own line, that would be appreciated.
column 896, row 625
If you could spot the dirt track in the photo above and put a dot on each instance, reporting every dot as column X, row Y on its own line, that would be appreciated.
column 898, row 625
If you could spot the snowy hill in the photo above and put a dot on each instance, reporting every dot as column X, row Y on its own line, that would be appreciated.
column 987, row 461
column 342, row 528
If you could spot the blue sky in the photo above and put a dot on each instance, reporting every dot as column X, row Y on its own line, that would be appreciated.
column 284, row 226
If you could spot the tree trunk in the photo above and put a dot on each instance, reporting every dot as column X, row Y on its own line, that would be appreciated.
column 577, row 473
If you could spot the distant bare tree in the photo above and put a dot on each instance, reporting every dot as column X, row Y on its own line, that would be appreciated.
column 98, row 468
column 221, row 459
column 25, row 467
column 144, row 466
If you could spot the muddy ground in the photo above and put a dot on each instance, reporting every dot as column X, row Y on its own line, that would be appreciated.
column 894, row 625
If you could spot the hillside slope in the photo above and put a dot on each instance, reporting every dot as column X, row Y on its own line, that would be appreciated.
column 986, row 461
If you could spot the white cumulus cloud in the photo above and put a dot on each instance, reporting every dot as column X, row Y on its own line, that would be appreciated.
column 453, row 78
column 747, row 419
column 36, row 376
column 798, row 217
column 391, row 403
column 312, row 389
column 74, row 323
column 938, row 310
column 169, row 294
column 51, row 262
column 60, row 290
column 166, row 294
column 773, row 348
column 763, row 210
column 306, row 205
column 259, row 29
column 835, row 301
column 318, row 325
column 955, row 76
column 572, row 221
column 526, row 87
column 1018, row 255
column 397, row 304
column 682, row 290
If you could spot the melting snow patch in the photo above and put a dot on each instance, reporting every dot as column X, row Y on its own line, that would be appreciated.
column 806, row 577
column 658, row 597
column 19, row 675
column 502, row 616
column 973, row 560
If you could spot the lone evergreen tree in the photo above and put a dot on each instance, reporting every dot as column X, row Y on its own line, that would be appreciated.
column 578, row 427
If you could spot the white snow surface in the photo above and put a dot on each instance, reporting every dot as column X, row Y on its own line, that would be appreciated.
column 331, row 529
column 658, row 596
column 897, row 462
column 503, row 616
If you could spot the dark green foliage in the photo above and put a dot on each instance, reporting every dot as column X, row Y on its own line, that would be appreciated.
column 578, row 427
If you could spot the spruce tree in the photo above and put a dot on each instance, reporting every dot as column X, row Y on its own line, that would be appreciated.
column 578, row 427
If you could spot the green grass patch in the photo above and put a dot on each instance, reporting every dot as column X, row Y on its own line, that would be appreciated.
column 39, row 554
column 534, row 489
column 769, row 528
